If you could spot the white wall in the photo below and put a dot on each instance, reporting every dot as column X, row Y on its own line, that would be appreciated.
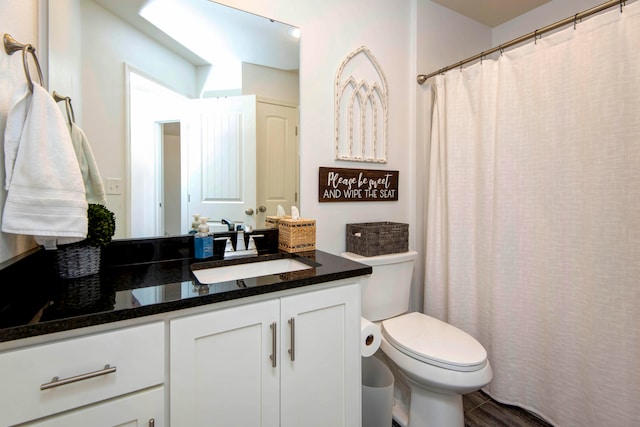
column 270, row 83
column 331, row 30
column 540, row 17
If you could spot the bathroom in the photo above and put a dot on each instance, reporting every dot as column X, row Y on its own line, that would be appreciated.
column 407, row 38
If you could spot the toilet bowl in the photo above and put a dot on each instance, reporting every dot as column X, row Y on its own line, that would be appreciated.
column 439, row 363
column 436, row 361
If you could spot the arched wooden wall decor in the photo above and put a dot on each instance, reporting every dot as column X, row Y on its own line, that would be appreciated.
column 362, row 104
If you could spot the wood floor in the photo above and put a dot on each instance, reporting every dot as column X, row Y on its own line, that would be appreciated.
column 482, row 411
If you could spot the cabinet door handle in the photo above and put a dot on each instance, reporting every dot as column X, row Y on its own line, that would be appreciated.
column 152, row 422
column 56, row 382
column 273, row 344
column 292, row 329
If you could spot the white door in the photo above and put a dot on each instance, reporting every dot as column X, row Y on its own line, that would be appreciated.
column 150, row 105
column 221, row 139
column 320, row 381
column 278, row 160
column 221, row 372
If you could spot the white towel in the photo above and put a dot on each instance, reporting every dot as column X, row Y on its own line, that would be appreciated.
column 88, row 167
column 46, row 194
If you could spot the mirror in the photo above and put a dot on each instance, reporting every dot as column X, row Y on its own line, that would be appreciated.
column 225, row 66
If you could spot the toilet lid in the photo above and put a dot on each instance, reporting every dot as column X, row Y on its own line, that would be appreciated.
column 435, row 342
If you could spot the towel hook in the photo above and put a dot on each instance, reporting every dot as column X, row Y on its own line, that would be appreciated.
column 71, row 117
column 11, row 46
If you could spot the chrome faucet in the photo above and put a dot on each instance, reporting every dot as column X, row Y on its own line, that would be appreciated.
column 230, row 225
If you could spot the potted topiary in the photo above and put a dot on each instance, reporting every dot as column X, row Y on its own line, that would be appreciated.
column 83, row 258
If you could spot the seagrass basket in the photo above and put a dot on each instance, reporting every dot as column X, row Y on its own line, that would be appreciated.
column 296, row 235
column 272, row 221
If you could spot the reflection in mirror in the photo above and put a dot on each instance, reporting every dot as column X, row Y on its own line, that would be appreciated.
column 190, row 107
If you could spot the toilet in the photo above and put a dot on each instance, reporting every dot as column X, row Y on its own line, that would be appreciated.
column 435, row 361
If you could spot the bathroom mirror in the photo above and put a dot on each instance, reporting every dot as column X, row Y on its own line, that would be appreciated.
column 107, row 55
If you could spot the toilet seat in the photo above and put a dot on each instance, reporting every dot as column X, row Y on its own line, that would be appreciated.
column 434, row 342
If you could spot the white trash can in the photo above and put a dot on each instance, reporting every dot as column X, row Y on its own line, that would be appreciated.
column 377, row 393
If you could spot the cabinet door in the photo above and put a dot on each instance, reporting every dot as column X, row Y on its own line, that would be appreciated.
column 138, row 410
column 320, row 381
column 221, row 373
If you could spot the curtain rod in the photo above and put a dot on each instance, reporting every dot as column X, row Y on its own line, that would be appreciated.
column 572, row 19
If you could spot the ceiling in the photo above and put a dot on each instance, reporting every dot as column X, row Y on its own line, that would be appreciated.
column 205, row 32
column 491, row 12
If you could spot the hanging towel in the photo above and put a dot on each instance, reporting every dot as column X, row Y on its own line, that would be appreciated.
column 46, row 194
column 13, row 129
column 94, row 188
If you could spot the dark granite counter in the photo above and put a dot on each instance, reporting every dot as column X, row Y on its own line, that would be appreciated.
column 138, row 278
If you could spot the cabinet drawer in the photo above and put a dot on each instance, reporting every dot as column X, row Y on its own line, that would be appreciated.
column 136, row 353
column 142, row 409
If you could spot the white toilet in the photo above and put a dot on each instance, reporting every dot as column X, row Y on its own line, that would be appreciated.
column 436, row 361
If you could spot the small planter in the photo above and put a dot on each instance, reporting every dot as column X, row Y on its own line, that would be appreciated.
column 78, row 260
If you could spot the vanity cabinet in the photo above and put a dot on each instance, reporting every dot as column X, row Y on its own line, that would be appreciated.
column 73, row 375
column 290, row 361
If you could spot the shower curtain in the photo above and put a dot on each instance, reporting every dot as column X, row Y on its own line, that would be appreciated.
column 533, row 219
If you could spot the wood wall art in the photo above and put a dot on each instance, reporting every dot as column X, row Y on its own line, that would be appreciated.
column 361, row 109
column 357, row 185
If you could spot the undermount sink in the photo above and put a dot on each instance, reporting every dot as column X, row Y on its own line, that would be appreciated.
column 207, row 276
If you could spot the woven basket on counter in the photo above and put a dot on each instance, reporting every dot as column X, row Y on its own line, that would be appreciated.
column 77, row 260
column 296, row 235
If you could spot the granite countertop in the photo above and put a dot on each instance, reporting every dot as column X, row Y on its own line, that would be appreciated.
column 138, row 278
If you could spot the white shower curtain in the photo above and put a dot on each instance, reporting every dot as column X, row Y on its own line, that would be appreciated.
column 533, row 219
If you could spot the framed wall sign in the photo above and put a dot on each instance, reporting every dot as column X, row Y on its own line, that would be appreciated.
column 357, row 185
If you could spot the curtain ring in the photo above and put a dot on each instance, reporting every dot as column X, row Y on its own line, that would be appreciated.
column 622, row 2
column 575, row 21
column 535, row 37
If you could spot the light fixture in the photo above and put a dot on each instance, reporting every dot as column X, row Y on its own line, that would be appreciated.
column 294, row 32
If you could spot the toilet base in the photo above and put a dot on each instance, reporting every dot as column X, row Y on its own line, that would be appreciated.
column 429, row 408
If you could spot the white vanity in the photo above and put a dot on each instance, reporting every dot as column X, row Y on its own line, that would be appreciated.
column 287, row 357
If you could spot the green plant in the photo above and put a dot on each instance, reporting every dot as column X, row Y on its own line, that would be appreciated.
column 102, row 225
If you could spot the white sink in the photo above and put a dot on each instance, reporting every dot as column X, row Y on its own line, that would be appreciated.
column 207, row 276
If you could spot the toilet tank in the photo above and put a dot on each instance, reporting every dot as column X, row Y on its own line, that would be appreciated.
column 385, row 293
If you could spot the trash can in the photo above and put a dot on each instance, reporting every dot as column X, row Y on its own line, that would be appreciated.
column 377, row 393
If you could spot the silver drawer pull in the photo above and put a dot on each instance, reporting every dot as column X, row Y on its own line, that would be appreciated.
column 274, row 343
column 56, row 382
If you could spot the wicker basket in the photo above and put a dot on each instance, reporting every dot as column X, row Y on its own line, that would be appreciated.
column 377, row 238
column 296, row 235
column 272, row 221
column 77, row 260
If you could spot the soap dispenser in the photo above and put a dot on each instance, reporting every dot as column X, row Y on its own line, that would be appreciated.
column 203, row 241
